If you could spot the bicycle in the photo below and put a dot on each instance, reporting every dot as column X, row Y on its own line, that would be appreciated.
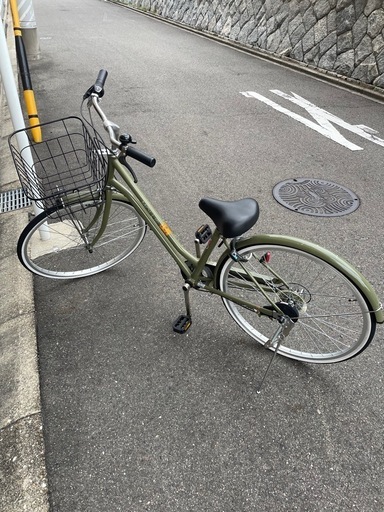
column 295, row 298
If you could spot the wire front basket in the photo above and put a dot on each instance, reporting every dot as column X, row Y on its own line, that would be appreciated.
column 69, row 165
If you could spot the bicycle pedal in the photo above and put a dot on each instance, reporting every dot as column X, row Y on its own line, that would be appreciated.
column 203, row 234
column 182, row 324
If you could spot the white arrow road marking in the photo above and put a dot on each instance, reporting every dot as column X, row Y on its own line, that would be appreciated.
column 324, row 119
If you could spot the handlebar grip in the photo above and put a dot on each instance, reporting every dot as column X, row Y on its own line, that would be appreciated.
column 140, row 156
column 100, row 81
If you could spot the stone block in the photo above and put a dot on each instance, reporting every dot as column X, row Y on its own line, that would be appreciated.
column 378, row 44
column 359, row 30
column 309, row 18
column 327, row 61
column 233, row 32
column 341, row 4
column 257, row 6
column 321, row 8
column 212, row 24
column 372, row 5
column 262, row 41
column 328, row 43
column 285, row 46
column 345, row 63
column 320, row 30
column 260, row 18
column 309, row 40
column 253, row 36
column 363, row 50
column 380, row 61
column 345, row 19
column 271, row 25
column 313, row 56
column 379, row 81
column 297, row 52
column 367, row 71
column 271, row 6
column 344, row 42
column 375, row 23
column 284, row 28
column 273, row 41
column 243, row 6
column 360, row 5
column 303, row 5
column 331, row 21
column 246, row 31
column 295, row 23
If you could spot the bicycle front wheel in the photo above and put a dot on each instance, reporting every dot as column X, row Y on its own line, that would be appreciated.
column 334, row 320
column 70, row 252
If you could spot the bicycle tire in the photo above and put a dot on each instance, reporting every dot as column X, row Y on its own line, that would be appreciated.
column 65, row 255
column 335, row 320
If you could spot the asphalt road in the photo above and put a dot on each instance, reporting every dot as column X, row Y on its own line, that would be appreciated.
column 137, row 418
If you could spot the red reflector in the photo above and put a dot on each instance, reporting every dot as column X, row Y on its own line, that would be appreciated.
column 266, row 258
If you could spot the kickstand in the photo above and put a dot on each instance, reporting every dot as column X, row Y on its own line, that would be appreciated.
column 277, row 338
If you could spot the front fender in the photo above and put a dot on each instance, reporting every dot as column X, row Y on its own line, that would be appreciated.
column 324, row 254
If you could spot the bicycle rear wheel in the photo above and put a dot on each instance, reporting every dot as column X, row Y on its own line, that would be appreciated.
column 69, row 253
column 334, row 320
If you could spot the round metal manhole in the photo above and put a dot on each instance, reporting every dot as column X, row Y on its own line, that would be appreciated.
column 316, row 197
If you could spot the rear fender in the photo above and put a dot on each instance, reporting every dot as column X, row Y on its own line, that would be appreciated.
column 324, row 254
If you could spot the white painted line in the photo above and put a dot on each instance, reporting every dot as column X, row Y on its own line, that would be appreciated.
column 325, row 120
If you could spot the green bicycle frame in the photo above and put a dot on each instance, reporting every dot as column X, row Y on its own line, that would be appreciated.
column 192, row 267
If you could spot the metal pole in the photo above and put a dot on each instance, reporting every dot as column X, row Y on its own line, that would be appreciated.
column 17, row 118
column 29, row 28
column 29, row 96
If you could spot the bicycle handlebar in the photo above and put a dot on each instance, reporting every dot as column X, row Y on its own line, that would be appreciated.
column 142, row 157
column 100, row 81
column 94, row 93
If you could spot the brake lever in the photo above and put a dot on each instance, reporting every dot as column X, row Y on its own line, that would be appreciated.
column 123, row 161
column 91, row 91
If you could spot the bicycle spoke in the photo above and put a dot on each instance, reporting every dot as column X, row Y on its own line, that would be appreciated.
column 70, row 252
column 334, row 321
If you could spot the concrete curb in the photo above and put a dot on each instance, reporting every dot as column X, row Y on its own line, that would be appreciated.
column 23, row 482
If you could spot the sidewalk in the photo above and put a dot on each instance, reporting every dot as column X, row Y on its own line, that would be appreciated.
column 22, row 465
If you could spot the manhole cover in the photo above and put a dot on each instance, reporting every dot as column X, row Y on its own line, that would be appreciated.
column 315, row 197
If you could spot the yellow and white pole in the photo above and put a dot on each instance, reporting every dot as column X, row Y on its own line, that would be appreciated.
column 11, row 93
column 29, row 96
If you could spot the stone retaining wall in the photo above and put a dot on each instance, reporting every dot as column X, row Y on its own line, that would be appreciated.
column 341, row 36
